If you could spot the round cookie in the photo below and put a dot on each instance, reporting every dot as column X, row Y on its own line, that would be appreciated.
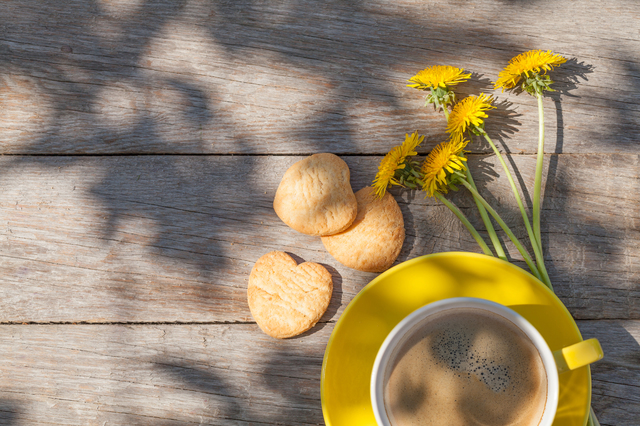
column 285, row 298
column 315, row 196
column 373, row 241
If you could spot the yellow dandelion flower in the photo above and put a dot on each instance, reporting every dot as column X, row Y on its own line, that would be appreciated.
column 411, row 142
column 438, row 76
column 533, row 61
column 469, row 111
column 394, row 160
column 442, row 161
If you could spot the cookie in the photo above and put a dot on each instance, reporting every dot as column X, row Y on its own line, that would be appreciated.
column 373, row 241
column 315, row 196
column 285, row 298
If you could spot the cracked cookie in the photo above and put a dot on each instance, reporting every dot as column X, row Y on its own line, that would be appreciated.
column 285, row 298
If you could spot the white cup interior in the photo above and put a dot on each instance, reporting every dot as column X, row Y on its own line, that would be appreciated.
column 416, row 319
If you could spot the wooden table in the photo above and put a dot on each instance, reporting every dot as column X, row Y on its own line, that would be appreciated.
column 143, row 142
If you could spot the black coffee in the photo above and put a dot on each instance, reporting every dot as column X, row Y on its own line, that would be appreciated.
column 466, row 367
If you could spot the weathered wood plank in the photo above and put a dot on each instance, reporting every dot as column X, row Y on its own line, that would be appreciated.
column 194, row 374
column 173, row 238
column 616, row 378
column 170, row 239
column 299, row 77
column 160, row 374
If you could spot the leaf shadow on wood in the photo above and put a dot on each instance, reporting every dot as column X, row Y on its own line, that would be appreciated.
column 590, row 244
column 615, row 378
column 9, row 412
column 197, row 107
column 291, row 34
column 174, row 197
column 199, row 243
column 294, row 37
column 226, row 400
column 592, row 239
column 291, row 397
column 348, row 61
column 284, row 376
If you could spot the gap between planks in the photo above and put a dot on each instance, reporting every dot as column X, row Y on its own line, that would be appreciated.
column 142, row 323
column 292, row 154
column 145, row 323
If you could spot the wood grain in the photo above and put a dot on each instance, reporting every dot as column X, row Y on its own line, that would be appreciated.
column 173, row 238
column 616, row 394
column 204, row 374
column 142, row 142
column 159, row 375
column 297, row 77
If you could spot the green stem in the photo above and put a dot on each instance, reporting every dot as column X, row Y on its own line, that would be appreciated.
column 487, row 221
column 483, row 213
column 466, row 223
column 537, row 188
column 525, row 217
column 503, row 225
column 593, row 420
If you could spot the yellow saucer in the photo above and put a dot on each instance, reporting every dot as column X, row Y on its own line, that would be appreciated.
column 385, row 301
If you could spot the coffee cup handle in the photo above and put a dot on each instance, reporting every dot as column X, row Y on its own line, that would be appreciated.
column 578, row 355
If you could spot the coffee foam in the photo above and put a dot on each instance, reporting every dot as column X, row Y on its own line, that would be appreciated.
column 466, row 367
column 455, row 350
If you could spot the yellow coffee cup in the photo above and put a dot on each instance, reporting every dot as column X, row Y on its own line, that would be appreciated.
column 554, row 363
